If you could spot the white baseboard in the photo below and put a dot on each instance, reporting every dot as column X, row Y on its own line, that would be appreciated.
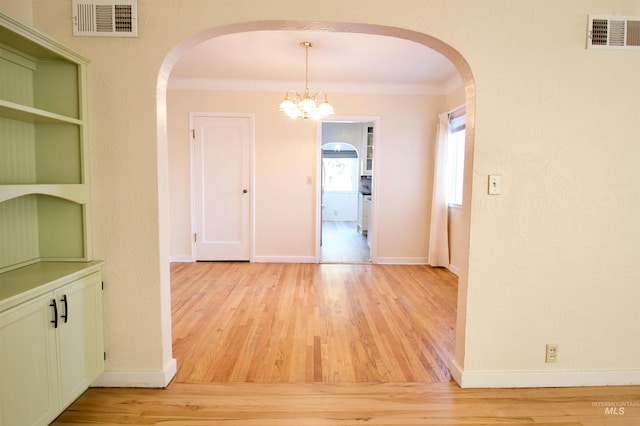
column 284, row 259
column 312, row 259
column 402, row 260
column 258, row 259
column 542, row 379
column 137, row 379
column 454, row 269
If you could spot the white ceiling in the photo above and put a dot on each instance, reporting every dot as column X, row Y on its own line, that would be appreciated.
column 345, row 62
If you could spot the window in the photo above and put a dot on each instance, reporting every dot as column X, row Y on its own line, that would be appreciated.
column 339, row 167
column 455, row 156
column 340, row 174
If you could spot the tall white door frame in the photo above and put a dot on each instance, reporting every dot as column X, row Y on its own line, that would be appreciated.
column 250, row 190
column 374, row 209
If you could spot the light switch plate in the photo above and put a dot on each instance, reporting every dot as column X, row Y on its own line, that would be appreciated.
column 495, row 187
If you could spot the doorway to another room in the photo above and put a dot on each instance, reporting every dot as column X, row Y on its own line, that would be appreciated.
column 345, row 192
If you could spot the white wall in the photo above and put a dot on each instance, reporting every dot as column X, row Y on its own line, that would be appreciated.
column 340, row 206
column 554, row 259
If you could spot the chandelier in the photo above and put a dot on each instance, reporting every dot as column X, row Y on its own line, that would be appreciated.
column 306, row 105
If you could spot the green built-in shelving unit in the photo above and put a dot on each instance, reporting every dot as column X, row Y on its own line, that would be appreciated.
column 44, row 185
column 51, row 322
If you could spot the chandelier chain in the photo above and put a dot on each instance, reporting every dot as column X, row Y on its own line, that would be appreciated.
column 306, row 66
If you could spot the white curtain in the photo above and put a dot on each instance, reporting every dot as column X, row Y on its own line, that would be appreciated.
column 439, row 238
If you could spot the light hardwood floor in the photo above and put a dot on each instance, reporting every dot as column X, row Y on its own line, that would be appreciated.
column 274, row 323
column 344, row 404
column 291, row 344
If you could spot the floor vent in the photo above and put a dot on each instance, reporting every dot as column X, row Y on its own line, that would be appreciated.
column 613, row 32
column 105, row 18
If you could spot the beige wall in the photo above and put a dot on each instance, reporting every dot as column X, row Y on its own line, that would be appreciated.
column 18, row 9
column 286, row 152
column 554, row 259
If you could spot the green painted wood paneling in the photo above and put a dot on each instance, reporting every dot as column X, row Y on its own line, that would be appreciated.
column 19, row 229
column 58, row 155
column 16, row 77
column 39, row 153
column 61, row 97
column 61, row 228
column 17, row 152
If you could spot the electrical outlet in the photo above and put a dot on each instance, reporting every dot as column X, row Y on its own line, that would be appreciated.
column 552, row 353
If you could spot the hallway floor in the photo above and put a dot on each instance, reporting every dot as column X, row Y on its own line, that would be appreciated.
column 342, row 243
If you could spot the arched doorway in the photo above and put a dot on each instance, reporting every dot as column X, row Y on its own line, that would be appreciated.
column 421, row 38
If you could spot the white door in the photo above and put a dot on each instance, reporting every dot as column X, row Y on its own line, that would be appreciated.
column 222, row 174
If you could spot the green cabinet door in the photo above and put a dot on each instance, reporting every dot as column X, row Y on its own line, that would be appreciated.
column 28, row 370
column 80, row 343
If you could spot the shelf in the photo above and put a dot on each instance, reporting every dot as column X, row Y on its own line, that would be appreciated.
column 31, row 281
column 37, row 147
column 78, row 193
column 28, row 114
column 37, row 227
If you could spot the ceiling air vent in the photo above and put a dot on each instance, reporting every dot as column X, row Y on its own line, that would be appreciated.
column 613, row 32
column 105, row 18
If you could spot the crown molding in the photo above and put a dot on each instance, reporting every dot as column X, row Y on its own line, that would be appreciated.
column 328, row 87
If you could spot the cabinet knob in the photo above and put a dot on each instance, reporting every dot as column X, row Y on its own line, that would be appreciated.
column 244, row 191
